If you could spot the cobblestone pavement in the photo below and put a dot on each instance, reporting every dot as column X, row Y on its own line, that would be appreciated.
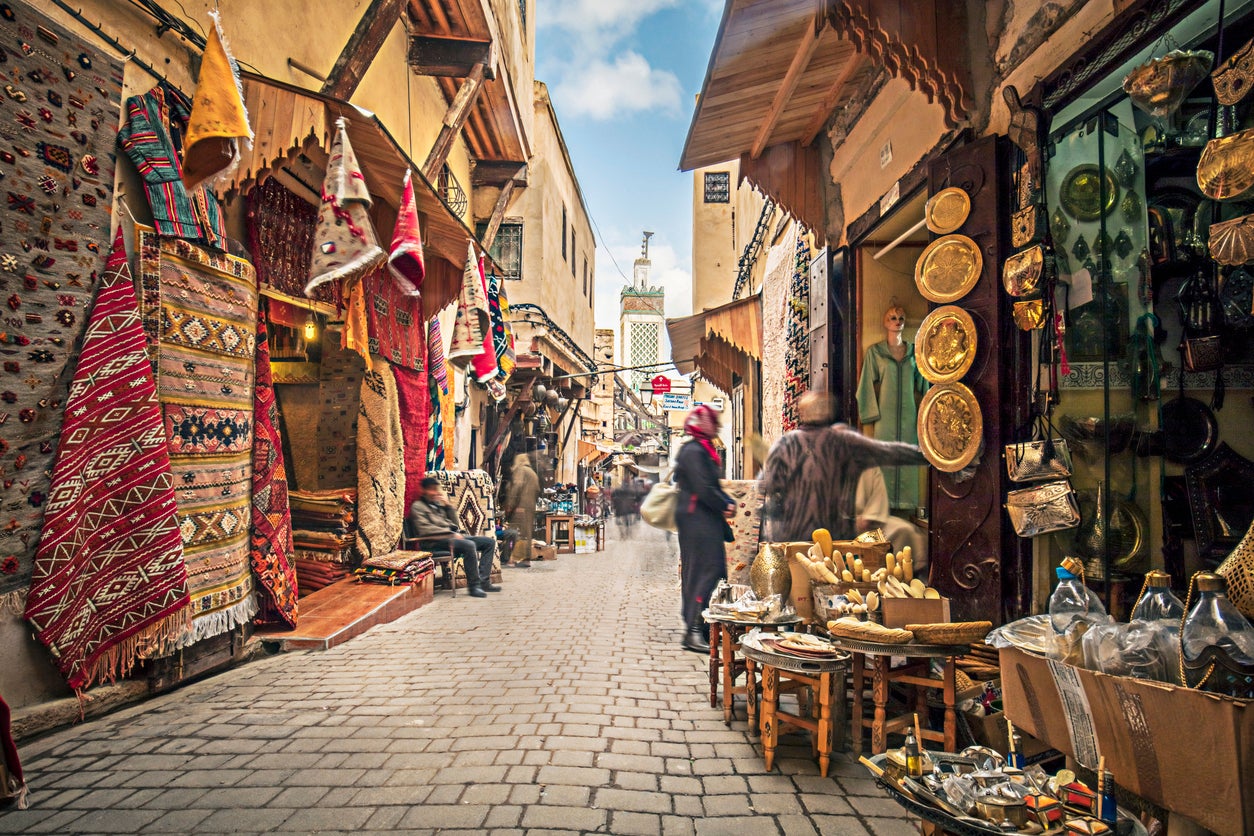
column 563, row 703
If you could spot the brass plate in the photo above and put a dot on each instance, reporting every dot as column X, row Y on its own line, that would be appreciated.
column 950, row 427
column 947, row 210
column 948, row 269
column 1226, row 167
column 944, row 348
column 1081, row 195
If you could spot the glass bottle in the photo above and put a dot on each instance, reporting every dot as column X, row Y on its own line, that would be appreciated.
column 1215, row 622
column 1072, row 599
column 914, row 757
column 1158, row 603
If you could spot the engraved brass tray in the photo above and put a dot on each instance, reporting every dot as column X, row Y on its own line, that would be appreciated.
column 945, row 345
column 1159, row 86
column 1226, row 167
column 948, row 269
column 950, row 427
column 947, row 210
column 1081, row 193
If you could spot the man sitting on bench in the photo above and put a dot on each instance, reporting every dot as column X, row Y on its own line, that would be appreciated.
column 434, row 521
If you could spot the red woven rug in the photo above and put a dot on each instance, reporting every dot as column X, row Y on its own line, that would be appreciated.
column 414, row 396
column 270, row 547
column 109, row 575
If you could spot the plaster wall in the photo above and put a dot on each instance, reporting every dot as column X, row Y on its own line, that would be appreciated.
column 720, row 232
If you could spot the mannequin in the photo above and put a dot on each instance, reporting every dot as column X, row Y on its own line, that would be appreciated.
column 888, row 393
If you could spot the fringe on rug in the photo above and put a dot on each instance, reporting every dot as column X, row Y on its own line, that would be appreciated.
column 119, row 660
column 215, row 623
column 14, row 602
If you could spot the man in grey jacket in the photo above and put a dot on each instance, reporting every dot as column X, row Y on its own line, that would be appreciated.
column 434, row 521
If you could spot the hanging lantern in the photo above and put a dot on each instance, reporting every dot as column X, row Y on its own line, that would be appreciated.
column 562, row 402
column 311, row 327
column 551, row 398
column 538, row 392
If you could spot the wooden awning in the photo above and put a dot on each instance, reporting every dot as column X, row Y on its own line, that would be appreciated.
column 720, row 342
column 494, row 129
column 294, row 128
column 779, row 68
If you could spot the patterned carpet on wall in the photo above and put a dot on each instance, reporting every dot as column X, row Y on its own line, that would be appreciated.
column 474, row 496
column 206, row 341
column 57, row 165
column 414, row 395
column 109, row 576
column 746, row 527
column 270, row 544
column 380, row 465
column 339, row 396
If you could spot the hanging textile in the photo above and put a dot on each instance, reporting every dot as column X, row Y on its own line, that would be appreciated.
column 380, row 465
column 355, row 335
column 414, row 396
column 437, row 385
column 405, row 259
column 109, row 578
column 281, row 238
column 58, row 174
column 151, row 137
column 206, row 334
column 484, row 363
column 797, row 351
column 339, row 397
column 218, row 119
column 473, row 323
column 270, row 544
column 502, row 336
column 344, row 240
column 395, row 321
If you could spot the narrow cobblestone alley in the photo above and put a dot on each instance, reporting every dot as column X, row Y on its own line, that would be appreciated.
column 563, row 703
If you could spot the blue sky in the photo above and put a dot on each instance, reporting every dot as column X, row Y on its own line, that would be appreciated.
column 623, row 75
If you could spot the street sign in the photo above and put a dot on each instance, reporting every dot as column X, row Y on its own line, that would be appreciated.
column 675, row 402
column 661, row 384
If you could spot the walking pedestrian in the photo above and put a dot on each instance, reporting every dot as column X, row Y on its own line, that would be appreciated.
column 811, row 475
column 436, row 527
column 701, row 514
column 520, row 508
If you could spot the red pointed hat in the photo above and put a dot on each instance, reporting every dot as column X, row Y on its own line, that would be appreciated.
column 405, row 260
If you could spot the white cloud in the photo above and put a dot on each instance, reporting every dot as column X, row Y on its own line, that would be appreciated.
column 599, row 19
column 601, row 90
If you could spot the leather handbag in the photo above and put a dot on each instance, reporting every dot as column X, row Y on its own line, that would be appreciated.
column 1029, row 314
column 1038, row 460
column 1238, row 571
column 1040, row 509
column 1202, row 354
column 659, row 504
column 1021, row 274
column 1026, row 226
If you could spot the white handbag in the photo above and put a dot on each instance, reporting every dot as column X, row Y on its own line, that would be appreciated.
column 658, row 506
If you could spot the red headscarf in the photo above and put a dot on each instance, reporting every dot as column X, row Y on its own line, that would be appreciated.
column 702, row 424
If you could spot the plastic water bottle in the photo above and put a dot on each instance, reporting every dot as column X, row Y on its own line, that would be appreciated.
column 1158, row 603
column 1215, row 622
column 1072, row 600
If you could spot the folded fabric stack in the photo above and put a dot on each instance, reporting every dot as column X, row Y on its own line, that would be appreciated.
column 399, row 567
column 312, row 575
column 324, row 525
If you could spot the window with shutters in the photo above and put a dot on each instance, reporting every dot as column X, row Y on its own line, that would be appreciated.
column 718, row 187
column 506, row 249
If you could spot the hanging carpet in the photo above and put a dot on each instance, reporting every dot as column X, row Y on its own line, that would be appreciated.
column 58, row 168
column 203, row 307
column 473, row 494
column 380, row 465
column 746, row 527
column 484, row 363
column 413, row 394
column 437, row 380
column 109, row 578
column 270, row 546
column 472, row 324
column 397, row 329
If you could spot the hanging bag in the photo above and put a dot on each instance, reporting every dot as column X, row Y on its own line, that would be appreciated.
column 1043, row 457
column 659, row 504
column 1040, row 509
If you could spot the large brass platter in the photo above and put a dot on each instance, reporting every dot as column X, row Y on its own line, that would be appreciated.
column 950, row 427
column 947, row 210
column 1081, row 193
column 948, row 269
column 945, row 345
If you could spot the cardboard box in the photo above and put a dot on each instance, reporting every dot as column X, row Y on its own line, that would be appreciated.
column 898, row 612
column 1187, row 750
column 544, row 552
column 872, row 554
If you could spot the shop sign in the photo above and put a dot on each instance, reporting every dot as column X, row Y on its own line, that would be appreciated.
column 671, row 401
column 888, row 200
column 661, row 384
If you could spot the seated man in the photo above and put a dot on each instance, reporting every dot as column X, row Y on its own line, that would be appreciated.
column 434, row 521
column 871, row 506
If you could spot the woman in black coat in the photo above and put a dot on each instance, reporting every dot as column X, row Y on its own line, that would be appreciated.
column 700, row 517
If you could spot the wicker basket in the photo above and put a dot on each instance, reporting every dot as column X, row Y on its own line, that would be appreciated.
column 962, row 632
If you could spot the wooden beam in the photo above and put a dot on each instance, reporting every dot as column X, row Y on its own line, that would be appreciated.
column 498, row 215
column 824, row 110
column 454, row 119
column 493, row 173
column 448, row 57
column 503, row 428
column 362, row 47
column 800, row 60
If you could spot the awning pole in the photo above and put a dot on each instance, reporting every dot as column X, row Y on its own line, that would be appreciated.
column 892, row 245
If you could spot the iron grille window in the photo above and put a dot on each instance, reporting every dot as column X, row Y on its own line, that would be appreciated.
column 452, row 192
column 643, row 343
column 563, row 232
column 585, row 276
column 506, row 249
column 718, row 187
column 573, row 257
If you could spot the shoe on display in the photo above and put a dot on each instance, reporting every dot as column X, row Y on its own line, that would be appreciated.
column 476, row 592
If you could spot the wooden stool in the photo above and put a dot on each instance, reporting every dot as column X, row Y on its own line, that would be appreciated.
column 824, row 678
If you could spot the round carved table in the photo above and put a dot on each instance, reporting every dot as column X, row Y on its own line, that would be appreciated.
column 725, row 636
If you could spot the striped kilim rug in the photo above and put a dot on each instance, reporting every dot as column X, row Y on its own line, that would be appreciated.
column 203, row 307
column 380, row 465
column 109, row 578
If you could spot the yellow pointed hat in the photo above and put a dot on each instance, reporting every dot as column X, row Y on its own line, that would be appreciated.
column 219, row 118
